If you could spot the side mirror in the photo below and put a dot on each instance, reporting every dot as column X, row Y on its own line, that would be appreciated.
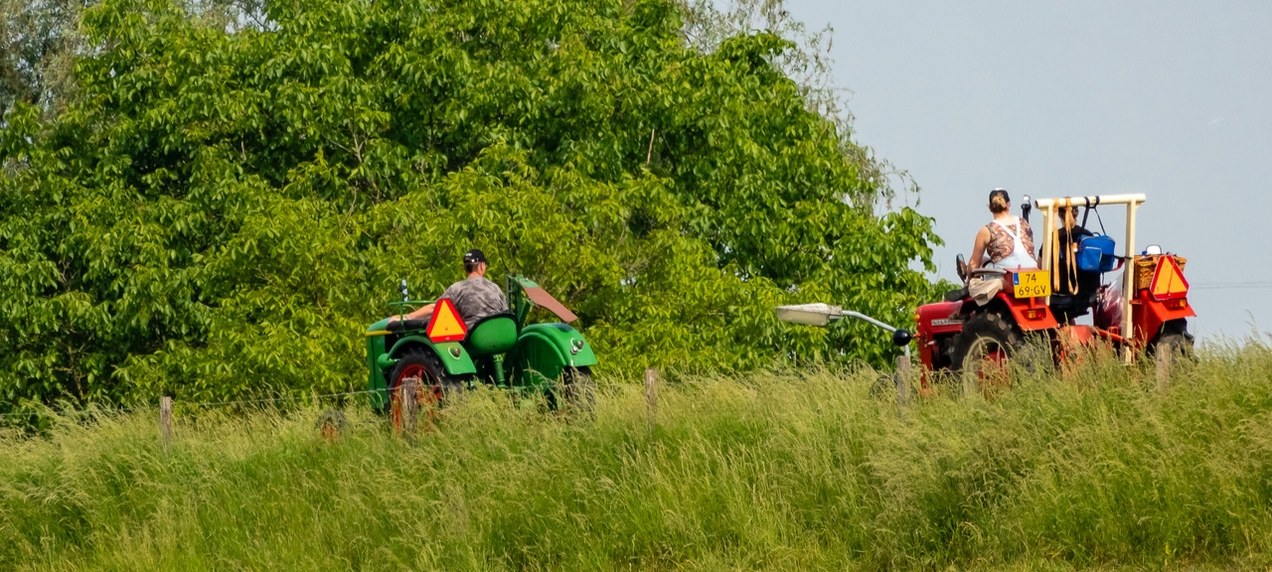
column 402, row 288
column 901, row 337
column 960, row 265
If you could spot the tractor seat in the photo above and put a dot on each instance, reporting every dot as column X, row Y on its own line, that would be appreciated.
column 494, row 334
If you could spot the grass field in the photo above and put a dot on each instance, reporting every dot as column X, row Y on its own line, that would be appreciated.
column 1100, row 468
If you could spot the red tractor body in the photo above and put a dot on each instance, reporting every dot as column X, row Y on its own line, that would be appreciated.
column 1149, row 313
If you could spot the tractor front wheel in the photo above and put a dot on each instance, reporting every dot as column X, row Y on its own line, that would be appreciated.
column 982, row 351
column 577, row 392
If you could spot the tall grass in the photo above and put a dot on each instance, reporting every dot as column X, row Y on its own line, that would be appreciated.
column 1099, row 467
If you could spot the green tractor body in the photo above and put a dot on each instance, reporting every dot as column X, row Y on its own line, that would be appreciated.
column 501, row 350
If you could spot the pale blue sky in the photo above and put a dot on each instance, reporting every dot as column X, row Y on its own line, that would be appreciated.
column 1170, row 99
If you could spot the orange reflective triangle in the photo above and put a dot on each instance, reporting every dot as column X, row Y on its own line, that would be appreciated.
column 445, row 325
column 1168, row 280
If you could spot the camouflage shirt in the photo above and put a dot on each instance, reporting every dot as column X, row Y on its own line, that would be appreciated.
column 475, row 298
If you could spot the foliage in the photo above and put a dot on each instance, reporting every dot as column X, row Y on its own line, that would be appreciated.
column 221, row 207
column 1102, row 469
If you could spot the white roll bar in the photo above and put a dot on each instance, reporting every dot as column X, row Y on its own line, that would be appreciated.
column 1132, row 202
column 1094, row 200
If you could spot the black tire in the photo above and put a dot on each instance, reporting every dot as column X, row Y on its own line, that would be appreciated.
column 577, row 393
column 988, row 338
column 1174, row 338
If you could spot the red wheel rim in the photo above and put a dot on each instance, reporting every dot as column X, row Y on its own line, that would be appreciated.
column 427, row 396
column 993, row 367
column 990, row 368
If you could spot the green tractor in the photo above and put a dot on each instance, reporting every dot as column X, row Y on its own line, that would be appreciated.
column 503, row 350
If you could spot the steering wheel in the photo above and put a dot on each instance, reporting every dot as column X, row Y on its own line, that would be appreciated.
column 979, row 272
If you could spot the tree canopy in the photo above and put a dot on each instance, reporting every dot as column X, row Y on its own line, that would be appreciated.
column 220, row 208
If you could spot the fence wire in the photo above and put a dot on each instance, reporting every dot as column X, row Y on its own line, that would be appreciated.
column 205, row 404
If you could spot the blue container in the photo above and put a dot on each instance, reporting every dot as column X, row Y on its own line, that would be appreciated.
column 1095, row 254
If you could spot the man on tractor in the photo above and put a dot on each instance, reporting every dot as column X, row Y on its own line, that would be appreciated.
column 1074, row 289
column 469, row 336
column 475, row 297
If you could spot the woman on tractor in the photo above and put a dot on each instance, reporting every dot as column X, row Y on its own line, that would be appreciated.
column 1007, row 241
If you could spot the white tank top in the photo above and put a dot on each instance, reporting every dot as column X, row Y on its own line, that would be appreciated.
column 1020, row 256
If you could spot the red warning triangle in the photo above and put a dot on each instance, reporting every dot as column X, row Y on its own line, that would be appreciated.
column 445, row 325
column 1168, row 280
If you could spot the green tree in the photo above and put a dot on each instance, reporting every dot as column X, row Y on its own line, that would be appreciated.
column 37, row 44
column 223, row 205
column 39, row 40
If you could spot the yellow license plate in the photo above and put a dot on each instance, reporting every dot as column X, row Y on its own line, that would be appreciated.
column 1032, row 283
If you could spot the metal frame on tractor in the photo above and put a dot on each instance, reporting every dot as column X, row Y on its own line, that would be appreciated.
column 503, row 350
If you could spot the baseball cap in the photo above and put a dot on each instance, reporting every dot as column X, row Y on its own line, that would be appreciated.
column 474, row 256
column 999, row 192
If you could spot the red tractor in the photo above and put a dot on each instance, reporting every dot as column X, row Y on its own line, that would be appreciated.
column 1147, row 313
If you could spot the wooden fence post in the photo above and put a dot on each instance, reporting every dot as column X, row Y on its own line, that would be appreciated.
column 165, row 420
column 651, row 396
column 410, row 404
column 904, row 374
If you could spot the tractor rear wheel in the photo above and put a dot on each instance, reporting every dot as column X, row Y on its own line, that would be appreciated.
column 1175, row 339
column 982, row 351
column 433, row 384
